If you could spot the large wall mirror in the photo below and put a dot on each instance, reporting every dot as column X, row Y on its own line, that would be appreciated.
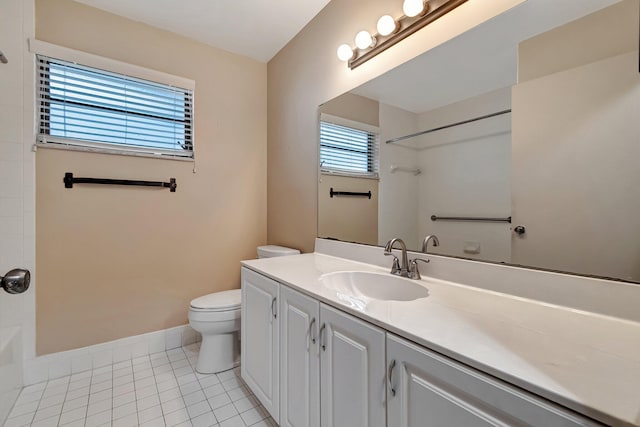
column 517, row 142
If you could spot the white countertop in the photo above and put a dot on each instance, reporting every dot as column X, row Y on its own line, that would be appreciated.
column 585, row 361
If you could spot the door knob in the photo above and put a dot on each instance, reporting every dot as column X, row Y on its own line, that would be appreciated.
column 520, row 230
column 16, row 281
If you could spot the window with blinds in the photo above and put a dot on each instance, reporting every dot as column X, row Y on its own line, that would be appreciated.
column 347, row 150
column 85, row 107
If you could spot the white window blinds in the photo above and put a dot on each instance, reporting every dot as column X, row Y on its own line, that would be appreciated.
column 347, row 150
column 86, row 107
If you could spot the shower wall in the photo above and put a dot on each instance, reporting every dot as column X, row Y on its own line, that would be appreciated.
column 17, row 194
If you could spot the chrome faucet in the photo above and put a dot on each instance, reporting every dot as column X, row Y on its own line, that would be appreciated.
column 425, row 243
column 397, row 269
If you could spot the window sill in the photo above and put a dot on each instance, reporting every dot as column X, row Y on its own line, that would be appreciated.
column 116, row 152
column 350, row 175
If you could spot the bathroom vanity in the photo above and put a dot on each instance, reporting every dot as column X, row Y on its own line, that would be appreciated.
column 326, row 344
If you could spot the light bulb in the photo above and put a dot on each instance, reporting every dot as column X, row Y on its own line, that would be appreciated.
column 412, row 8
column 345, row 52
column 364, row 40
column 386, row 25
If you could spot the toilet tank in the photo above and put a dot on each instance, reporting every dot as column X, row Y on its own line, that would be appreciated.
column 270, row 251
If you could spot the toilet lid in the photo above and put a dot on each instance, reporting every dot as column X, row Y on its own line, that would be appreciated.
column 218, row 301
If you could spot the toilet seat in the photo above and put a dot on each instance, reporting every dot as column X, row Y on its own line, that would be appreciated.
column 218, row 302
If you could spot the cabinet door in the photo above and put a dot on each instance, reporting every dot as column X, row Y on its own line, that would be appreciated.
column 426, row 389
column 299, row 360
column 260, row 338
column 352, row 374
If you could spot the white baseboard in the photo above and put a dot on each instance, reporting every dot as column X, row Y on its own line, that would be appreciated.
column 57, row 365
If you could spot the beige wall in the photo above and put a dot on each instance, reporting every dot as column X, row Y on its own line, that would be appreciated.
column 576, row 132
column 307, row 73
column 609, row 32
column 119, row 261
column 352, row 219
column 353, row 107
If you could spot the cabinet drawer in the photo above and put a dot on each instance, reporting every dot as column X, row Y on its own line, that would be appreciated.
column 427, row 389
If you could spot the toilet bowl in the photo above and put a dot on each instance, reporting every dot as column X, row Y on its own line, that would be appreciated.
column 217, row 318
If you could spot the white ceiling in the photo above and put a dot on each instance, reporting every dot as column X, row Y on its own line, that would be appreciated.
column 257, row 28
column 479, row 61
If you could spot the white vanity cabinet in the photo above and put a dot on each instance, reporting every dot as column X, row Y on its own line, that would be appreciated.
column 352, row 380
column 299, row 360
column 312, row 365
column 426, row 389
column 260, row 332
column 331, row 366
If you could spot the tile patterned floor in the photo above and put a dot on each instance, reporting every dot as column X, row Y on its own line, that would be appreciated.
column 157, row 390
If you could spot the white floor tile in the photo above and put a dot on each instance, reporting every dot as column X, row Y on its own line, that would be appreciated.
column 176, row 417
column 225, row 412
column 195, row 397
column 123, row 399
column 148, row 402
column 233, row 422
column 124, row 410
column 189, row 388
column 70, row 405
column 142, row 393
column 25, row 398
column 99, row 419
column 219, row 401
column 76, row 423
column 97, row 407
column 128, row 421
column 18, row 421
column 78, row 392
column 149, row 414
column 158, row 422
column 172, row 405
column 209, row 380
column 51, row 401
column 205, row 420
column 198, row 409
column 46, row 422
column 74, row 415
column 24, row 409
column 159, row 390
column 245, row 404
column 252, row 416
column 51, row 411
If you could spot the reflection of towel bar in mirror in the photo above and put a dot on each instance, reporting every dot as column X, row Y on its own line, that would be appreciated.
column 349, row 193
column 464, row 122
column 469, row 219
column 397, row 168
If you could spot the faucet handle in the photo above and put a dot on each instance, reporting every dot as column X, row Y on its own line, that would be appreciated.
column 414, row 271
column 395, row 267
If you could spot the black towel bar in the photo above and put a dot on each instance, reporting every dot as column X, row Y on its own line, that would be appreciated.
column 69, row 180
column 349, row 193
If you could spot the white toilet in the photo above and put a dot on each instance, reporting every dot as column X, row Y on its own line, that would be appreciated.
column 217, row 318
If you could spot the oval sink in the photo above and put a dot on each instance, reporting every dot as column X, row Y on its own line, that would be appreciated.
column 377, row 286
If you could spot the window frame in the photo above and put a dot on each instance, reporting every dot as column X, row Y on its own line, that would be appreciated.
column 373, row 147
column 120, row 69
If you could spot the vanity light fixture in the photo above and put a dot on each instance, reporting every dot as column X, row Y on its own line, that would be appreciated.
column 387, row 25
column 365, row 40
column 413, row 8
column 417, row 14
